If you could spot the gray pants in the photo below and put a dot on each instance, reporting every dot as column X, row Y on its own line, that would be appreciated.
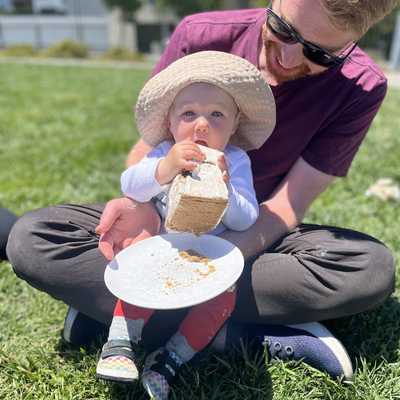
column 313, row 273
column 7, row 220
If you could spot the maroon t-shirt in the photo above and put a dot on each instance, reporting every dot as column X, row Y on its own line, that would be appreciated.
column 322, row 118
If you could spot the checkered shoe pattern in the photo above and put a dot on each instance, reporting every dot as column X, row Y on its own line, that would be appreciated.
column 117, row 367
column 156, row 385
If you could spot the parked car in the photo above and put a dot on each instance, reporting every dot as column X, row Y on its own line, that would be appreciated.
column 49, row 7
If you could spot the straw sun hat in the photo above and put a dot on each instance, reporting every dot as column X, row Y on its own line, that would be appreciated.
column 233, row 74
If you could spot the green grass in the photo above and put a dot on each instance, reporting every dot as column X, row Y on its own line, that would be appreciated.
column 64, row 135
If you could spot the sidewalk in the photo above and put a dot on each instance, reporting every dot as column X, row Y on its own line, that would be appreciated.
column 75, row 62
column 393, row 78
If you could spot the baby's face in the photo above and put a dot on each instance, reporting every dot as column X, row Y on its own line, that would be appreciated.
column 205, row 114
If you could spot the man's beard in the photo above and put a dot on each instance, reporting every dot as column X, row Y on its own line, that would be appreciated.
column 271, row 50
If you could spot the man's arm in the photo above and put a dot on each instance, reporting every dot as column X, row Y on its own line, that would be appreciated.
column 284, row 210
column 138, row 151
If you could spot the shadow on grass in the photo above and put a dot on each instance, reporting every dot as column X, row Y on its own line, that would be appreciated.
column 373, row 335
column 237, row 375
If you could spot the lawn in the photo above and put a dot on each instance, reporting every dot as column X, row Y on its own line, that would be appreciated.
column 64, row 135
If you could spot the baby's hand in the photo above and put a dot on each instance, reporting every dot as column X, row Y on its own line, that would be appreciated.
column 183, row 156
column 224, row 168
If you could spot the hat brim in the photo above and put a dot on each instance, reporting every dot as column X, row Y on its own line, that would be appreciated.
column 231, row 73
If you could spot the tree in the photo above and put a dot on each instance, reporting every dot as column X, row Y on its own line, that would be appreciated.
column 236, row 4
column 128, row 7
column 186, row 7
column 380, row 36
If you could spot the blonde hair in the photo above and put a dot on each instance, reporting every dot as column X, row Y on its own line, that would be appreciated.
column 357, row 15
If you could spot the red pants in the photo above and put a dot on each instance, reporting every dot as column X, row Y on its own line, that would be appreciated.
column 200, row 325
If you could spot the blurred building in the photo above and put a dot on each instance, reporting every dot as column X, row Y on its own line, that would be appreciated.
column 41, row 23
column 69, row 7
column 6, row 5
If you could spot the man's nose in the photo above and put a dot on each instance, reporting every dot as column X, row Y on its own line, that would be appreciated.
column 291, row 55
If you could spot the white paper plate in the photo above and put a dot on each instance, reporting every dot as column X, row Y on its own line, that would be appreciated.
column 151, row 273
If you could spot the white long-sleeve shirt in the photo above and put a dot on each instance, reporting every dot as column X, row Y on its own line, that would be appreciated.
column 139, row 183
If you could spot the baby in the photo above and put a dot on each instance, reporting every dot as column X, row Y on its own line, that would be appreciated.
column 212, row 99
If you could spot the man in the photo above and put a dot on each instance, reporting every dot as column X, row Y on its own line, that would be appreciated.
column 327, row 93
column 7, row 220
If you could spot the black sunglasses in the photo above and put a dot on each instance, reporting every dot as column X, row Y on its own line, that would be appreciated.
column 287, row 34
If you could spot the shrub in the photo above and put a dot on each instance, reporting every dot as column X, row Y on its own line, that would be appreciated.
column 121, row 54
column 67, row 49
column 19, row 50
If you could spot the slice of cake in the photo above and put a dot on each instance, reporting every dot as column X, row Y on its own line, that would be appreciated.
column 197, row 201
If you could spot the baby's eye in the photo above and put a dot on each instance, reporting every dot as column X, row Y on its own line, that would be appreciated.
column 188, row 114
column 217, row 114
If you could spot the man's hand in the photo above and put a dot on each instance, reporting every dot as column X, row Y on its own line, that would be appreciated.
column 183, row 156
column 124, row 222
